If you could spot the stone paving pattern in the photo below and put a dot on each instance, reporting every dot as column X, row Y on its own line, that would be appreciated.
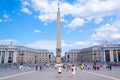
column 51, row 74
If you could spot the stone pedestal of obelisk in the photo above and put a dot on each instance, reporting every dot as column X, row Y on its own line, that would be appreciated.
column 58, row 43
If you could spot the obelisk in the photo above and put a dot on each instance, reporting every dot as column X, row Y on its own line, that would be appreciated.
column 58, row 45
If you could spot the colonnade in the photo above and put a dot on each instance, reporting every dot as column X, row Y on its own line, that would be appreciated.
column 7, row 55
column 111, row 55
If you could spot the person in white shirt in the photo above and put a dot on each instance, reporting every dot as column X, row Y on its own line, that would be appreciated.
column 59, row 71
column 73, row 71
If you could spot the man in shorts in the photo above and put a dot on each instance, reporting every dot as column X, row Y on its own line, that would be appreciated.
column 59, row 71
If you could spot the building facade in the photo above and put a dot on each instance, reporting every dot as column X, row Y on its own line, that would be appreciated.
column 102, row 53
column 22, row 54
column 72, row 55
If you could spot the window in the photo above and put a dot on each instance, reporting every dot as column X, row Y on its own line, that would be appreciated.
column 49, row 56
column 68, row 56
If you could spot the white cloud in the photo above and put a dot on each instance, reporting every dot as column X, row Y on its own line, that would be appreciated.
column 46, row 44
column 79, row 44
column 82, row 2
column 98, row 20
column 65, row 45
column 63, row 20
column 8, row 41
column 107, row 32
column 44, row 6
column 26, row 10
column 25, row 3
column 24, row 7
column 98, row 8
column 37, row 31
column 76, row 23
column 89, row 18
column 81, row 9
column 5, row 16
column 43, row 44
column 48, row 9
column 47, row 17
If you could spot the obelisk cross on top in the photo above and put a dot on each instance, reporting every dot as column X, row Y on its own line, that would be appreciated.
column 58, row 46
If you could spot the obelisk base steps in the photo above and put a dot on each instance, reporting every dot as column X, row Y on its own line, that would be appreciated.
column 58, row 61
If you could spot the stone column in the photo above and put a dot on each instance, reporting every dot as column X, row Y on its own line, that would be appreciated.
column 6, row 57
column 117, row 55
column 14, row 57
column 104, row 56
column 111, row 56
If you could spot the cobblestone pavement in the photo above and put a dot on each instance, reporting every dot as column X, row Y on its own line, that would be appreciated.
column 51, row 74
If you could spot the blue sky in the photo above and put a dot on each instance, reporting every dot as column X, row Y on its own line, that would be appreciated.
column 84, row 23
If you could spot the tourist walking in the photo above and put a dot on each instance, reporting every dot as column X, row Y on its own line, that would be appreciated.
column 81, row 67
column 109, row 66
column 40, row 67
column 37, row 67
column 59, row 71
column 73, row 72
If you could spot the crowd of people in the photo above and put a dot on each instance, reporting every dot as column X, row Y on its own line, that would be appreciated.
column 72, row 67
column 67, row 67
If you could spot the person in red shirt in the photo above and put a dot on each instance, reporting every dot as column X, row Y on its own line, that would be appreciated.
column 36, row 67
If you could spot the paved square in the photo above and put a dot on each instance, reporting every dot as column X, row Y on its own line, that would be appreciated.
column 51, row 74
